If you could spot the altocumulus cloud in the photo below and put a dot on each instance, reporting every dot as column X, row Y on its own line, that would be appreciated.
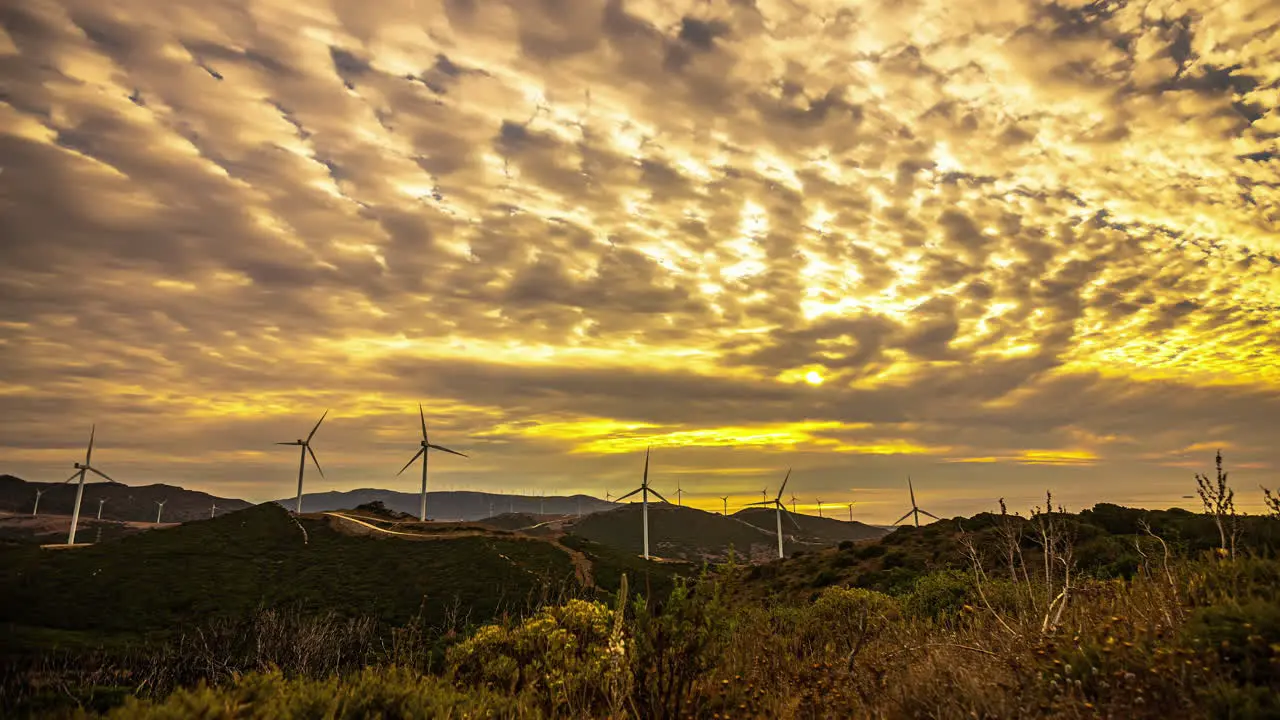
column 1001, row 247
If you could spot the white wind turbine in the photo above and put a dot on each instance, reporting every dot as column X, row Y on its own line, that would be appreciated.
column 305, row 449
column 213, row 510
column 915, row 509
column 159, row 509
column 100, row 502
column 36, row 510
column 780, row 509
column 81, row 472
column 725, row 499
column 644, row 491
column 424, row 447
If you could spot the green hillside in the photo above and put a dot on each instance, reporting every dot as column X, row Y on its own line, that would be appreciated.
column 811, row 529
column 230, row 565
column 679, row 533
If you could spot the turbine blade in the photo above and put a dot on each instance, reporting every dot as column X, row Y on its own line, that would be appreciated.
column 926, row 512
column 92, row 430
column 317, row 427
column 904, row 517
column 445, row 449
column 655, row 492
column 762, row 502
column 101, row 474
column 423, row 418
column 312, row 453
column 415, row 457
column 913, row 491
column 645, row 482
column 784, row 483
column 790, row 517
column 74, row 475
column 624, row 497
column 288, row 443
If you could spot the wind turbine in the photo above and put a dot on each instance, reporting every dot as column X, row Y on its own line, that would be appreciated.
column 915, row 510
column 764, row 495
column 819, row 507
column 305, row 449
column 679, row 495
column 36, row 510
column 213, row 510
column 425, row 446
column 100, row 501
column 644, row 491
column 851, row 510
column 779, row 509
column 725, row 498
column 81, row 472
column 159, row 509
column 793, row 503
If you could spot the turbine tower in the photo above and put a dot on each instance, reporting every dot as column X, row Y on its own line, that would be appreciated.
column 779, row 510
column 819, row 507
column 213, row 510
column 81, row 472
column 725, row 499
column 100, row 501
column 424, row 447
column 679, row 495
column 851, row 510
column 305, row 449
column 915, row 509
column 36, row 510
column 159, row 509
column 793, row 503
column 644, row 491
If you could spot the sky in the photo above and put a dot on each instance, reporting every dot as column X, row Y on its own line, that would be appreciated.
column 1000, row 248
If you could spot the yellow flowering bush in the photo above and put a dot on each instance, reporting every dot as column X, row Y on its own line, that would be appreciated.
column 569, row 657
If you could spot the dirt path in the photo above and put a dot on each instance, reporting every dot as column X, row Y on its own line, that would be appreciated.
column 582, row 567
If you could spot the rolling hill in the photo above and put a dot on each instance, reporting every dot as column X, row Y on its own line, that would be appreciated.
column 456, row 505
column 811, row 527
column 125, row 503
column 264, row 557
column 690, row 534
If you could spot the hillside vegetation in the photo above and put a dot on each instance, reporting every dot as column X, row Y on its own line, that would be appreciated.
column 1108, row 613
column 125, row 503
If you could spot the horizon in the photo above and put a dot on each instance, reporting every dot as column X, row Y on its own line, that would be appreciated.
column 1000, row 249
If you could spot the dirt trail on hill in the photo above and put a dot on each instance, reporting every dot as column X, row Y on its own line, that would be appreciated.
column 582, row 567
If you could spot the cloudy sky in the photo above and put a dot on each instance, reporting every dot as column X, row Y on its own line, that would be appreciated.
column 1001, row 247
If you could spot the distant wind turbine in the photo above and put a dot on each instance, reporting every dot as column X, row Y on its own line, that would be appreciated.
column 304, row 450
column 100, row 501
column 159, row 509
column 851, row 510
column 213, row 510
column 793, row 503
column 679, row 495
column 764, row 495
column 644, row 491
column 81, row 472
column 819, row 507
column 36, row 510
column 779, row 510
column 915, row 509
column 424, row 448
column 725, row 498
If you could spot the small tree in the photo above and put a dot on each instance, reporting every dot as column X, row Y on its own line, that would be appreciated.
column 1219, row 501
column 1272, row 502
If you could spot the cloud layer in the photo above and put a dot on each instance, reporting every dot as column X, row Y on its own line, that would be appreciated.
column 997, row 248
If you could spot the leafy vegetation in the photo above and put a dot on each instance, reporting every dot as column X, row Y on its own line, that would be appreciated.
column 1111, row 613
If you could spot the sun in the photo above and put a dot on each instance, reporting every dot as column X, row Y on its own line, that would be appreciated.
column 813, row 378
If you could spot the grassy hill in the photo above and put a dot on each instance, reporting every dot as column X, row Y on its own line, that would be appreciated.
column 126, row 503
column 811, row 528
column 454, row 505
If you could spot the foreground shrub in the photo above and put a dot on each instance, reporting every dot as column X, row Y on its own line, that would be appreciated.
column 389, row 693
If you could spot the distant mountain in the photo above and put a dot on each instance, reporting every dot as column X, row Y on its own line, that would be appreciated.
column 690, row 534
column 811, row 528
column 458, row 505
column 129, row 503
